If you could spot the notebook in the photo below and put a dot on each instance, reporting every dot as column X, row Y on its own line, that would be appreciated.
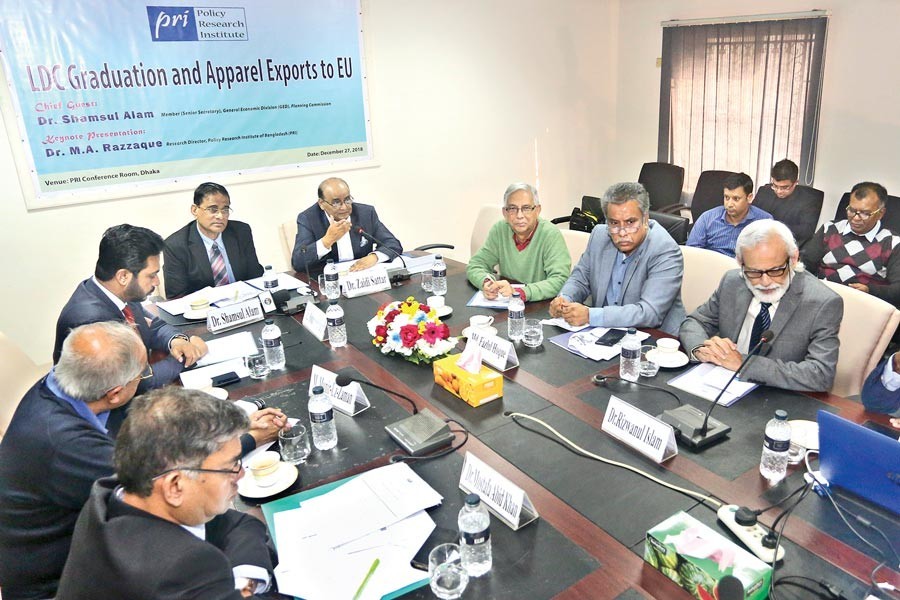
column 860, row 460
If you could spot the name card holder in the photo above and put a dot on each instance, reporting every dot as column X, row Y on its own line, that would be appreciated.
column 361, row 283
column 643, row 432
column 507, row 501
column 495, row 351
column 350, row 400
column 234, row 315
column 314, row 321
column 268, row 303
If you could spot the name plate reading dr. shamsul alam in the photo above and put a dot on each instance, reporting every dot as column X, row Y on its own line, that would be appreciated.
column 235, row 315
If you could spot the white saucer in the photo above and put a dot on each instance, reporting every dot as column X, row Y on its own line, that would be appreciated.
column 487, row 330
column 668, row 360
column 195, row 315
column 216, row 392
column 805, row 434
column 285, row 477
column 444, row 311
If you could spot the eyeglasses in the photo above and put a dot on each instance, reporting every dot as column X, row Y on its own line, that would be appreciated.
column 147, row 373
column 782, row 188
column 776, row 272
column 525, row 210
column 865, row 215
column 235, row 470
column 627, row 227
column 214, row 210
column 339, row 202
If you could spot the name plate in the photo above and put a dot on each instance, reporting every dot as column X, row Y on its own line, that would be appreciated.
column 639, row 430
column 314, row 320
column 507, row 501
column 234, row 315
column 268, row 303
column 360, row 283
column 350, row 400
column 495, row 351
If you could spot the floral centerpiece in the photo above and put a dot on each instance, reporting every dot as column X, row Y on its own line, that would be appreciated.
column 412, row 330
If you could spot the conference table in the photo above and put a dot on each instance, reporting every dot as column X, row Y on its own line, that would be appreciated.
column 588, row 541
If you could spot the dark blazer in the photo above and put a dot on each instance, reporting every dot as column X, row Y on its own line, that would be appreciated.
column 89, row 304
column 876, row 397
column 49, row 459
column 804, row 354
column 799, row 211
column 312, row 224
column 119, row 551
column 186, row 266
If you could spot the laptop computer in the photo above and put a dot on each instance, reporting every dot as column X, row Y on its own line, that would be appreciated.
column 860, row 460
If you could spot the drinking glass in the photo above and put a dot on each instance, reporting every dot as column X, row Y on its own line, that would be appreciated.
column 426, row 280
column 649, row 368
column 257, row 364
column 321, row 282
column 448, row 576
column 294, row 444
column 533, row 336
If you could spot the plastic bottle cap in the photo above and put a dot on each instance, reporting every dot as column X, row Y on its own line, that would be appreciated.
column 332, row 301
column 632, row 331
column 473, row 500
column 318, row 390
column 781, row 414
column 329, row 261
column 438, row 257
column 517, row 294
column 268, row 267
column 270, row 321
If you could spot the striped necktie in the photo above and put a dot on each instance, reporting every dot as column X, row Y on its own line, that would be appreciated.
column 217, row 261
column 760, row 324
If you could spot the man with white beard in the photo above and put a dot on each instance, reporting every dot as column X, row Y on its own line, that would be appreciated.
column 770, row 291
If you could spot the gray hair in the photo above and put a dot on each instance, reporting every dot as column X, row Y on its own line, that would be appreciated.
column 760, row 231
column 620, row 193
column 97, row 357
column 517, row 187
column 170, row 428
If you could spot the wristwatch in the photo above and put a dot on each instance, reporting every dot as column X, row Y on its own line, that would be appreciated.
column 178, row 336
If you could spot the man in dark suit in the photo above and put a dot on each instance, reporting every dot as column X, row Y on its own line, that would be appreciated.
column 210, row 250
column 769, row 291
column 797, row 206
column 127, row 272
column 330, row 229
column 162, row 528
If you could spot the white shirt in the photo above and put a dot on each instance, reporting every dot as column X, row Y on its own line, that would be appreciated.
column 889, row 377
column 241, row 572
column 743, row 341
column 344, row 247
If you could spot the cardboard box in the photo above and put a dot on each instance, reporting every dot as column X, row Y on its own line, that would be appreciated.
column 474, row 389
column 696, row 557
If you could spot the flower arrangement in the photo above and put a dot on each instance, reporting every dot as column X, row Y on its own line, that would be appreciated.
column 412, row 330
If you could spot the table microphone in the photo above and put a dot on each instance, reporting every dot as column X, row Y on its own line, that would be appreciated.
column 397, row 277
column 686, row 419
column 306, row 264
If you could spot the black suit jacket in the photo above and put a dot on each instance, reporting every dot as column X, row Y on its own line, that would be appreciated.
column 119, row 551
column 799, row 211
column 312, row 225
column 186, row 266
column 89, row 304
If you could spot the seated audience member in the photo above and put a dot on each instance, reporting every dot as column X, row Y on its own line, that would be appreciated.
column 330, row 229
column 58, row 444
column 632, row 269
column 797, row 206
column 881, row 391
column 769, row 291
column 858, row 251
column 210, row 250
column 523, row 247
column 126, row 273
column 718, row 228
column 161, row 528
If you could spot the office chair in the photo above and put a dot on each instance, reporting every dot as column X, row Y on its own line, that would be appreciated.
column 709, row 192
column 663, row 181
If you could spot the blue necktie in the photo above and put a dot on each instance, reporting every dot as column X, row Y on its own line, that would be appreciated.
column 762, row 322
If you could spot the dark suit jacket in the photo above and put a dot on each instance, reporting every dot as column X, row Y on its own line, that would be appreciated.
column 89, row 304
column 876, row 397
column 799, row 211
column 186, row 266
column 49, row 459
column 119, row 551
column 312, row 225
column 803, row 356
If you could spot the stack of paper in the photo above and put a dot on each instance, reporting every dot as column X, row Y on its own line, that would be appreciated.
column 285, row 282
column 217, row 296
column 707, row 380
column 584, row 343
column 479, row 300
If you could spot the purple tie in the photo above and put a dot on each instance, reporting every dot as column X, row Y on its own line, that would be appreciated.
column 220, row 273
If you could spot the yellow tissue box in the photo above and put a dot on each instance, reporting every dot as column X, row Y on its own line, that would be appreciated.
column 475, row 389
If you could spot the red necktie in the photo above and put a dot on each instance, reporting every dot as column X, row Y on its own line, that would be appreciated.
column 129, row 316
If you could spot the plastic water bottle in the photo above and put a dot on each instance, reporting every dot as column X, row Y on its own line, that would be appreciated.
column 270, row 278
column 438, row 276
column 515, row 322
column 337, row 329
column 630, row 356
column 475, row 536
column 272, row 346
column 321, row 417
column 332, row 287
column 773, row 464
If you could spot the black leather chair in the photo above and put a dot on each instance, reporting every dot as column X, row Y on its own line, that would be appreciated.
column 678, row 227
column 709, row 191
column 663, row 181
column 589, row 204
column 890, row 218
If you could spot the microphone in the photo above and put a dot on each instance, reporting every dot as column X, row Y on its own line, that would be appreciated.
column 402, row 275
column 345, row 380
column 686, row 419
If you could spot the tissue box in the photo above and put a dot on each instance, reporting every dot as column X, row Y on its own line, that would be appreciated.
column 475, row 389
column 696, row 557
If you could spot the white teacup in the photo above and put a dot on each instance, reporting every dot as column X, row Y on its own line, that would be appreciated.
column 480, row 321
column 668, row 345
column 200, row 304
column 263, row 468
column 436, row 302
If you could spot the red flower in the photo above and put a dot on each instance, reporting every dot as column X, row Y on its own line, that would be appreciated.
column 380, row 334
column 431, row 333
column 410, row 335
column 389, row 318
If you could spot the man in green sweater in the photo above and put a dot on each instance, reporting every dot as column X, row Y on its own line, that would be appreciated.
column 524, row 248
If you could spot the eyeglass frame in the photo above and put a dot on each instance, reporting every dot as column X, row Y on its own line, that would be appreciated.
column 852, row 213
column 238, row 464
column 526, row 210
column 348, row 201
column 758, row 273
column 214, row 210
column 781, row 188
column 146, row 373
column 619, row 229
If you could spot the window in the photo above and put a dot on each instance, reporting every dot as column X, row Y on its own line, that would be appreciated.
column 741, row 96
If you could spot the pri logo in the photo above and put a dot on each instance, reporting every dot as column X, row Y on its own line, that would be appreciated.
column 172, row 23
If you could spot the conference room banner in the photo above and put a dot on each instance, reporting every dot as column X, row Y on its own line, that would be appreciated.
column 113, row 93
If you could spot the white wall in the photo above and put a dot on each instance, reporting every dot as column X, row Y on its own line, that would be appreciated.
column 462, row 96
